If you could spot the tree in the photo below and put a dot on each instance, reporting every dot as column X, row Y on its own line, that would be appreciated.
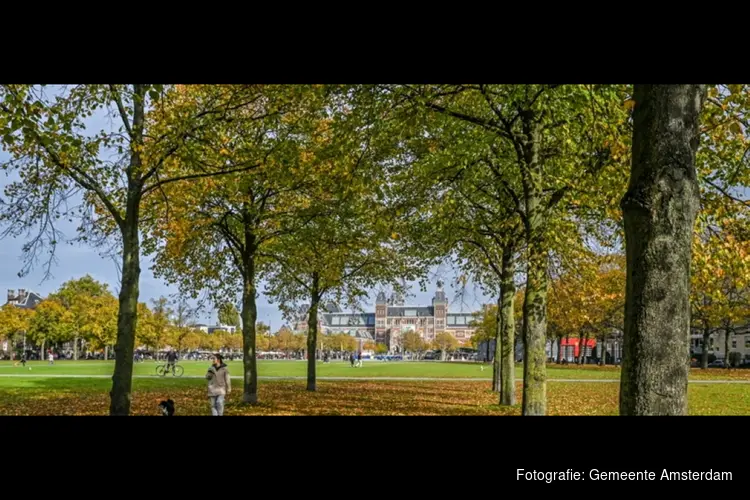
column 181, row 329
column 192, row 340
column 159, row 323
column 210, row 235
column 288, row 342
column 77, row 296
column 368, row 346
column 381, row 349
column 233, row 341
column 262, row 329
column 51, row 323
column 720, row 280
column 547, row 141
column 13, row 321
column 659, row 211
column 99, row 324
column 412, row 342
column 229, row 316
column 212, row 341
column 59, row 158
column 445, row 342
column 587, row 298
column 347, row 244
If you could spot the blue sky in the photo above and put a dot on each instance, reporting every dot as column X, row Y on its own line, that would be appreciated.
column 75, row 261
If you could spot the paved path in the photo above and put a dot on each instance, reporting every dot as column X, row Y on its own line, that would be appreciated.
column 372, row 379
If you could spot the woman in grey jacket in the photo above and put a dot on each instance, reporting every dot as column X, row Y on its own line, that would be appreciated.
column 219, row 385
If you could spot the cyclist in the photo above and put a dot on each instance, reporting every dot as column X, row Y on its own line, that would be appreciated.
column 171, row 360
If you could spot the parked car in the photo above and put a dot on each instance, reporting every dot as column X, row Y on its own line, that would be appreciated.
column 719, row 363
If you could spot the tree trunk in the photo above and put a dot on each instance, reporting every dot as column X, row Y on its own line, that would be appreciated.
column 496, row 366
column 559, row 350
column 249, row 318
column 508, row 334
column 41, row 358
column 659, row 210
column 106, row 353
column 534, row 333
column 603, row 351
column 535, row 303
column 726, row 345
column 581, row 349
column 127, row 317
column 75, row 348
column 312, row 331
column 706, row 338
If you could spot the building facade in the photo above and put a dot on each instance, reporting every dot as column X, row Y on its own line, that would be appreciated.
column 739, row 341
column 391, row 319
column 24, row 299
column 212, row 328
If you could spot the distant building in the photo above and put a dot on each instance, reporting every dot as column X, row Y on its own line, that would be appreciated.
column 739, row 341
column 212, row 328
column 25, row 299
column 391, row 319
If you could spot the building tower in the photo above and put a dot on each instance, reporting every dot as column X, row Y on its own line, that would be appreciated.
column 381, row 311
column 440, row 308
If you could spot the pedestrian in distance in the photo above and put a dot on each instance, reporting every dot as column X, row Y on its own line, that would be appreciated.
column 219, row 385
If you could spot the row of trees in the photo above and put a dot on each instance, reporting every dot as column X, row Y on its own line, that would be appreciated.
column 322, row 192
column 83, row 312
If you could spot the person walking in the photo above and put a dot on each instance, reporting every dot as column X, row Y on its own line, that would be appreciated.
column 359, row 360
column 219, row 385
column 51, row 357
column 351, row 359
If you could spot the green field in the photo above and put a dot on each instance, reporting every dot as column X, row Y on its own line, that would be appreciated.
column 81, row 388
column 276, row 368
column 89, row 396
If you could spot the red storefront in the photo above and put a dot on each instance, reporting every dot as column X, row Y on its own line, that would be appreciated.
column 571, row 347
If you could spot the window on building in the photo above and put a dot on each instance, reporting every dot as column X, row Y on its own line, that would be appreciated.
column 389, row 321
column 711, row 343
column 460, row 335
column 410, row 312
column 734, row 343
column 451, row 320
column 336, row 320
column 747, row 341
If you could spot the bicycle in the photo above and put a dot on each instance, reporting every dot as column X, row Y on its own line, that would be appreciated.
column 162, row 370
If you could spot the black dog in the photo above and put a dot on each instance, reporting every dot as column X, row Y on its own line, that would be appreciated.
column 167, row 408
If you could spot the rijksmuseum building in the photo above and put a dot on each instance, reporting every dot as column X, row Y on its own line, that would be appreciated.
column 392, row 318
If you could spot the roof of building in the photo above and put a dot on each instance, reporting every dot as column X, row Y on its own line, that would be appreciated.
column 411, row 311
column 348, row 319
column 459, row 319
column 30, row 300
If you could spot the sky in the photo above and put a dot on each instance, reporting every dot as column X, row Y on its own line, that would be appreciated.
column 75, row 261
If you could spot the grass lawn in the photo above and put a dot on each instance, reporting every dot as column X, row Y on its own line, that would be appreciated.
column 273, row 368
column 82, row 396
